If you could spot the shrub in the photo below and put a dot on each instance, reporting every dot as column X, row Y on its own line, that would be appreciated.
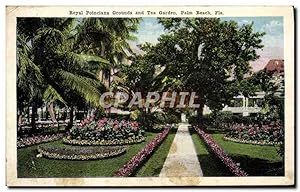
column 158, row 120
column 223, row 119
column 119, row 117
column 171, row 118
column 131, row 166
column 218, row 120
column 135, row 115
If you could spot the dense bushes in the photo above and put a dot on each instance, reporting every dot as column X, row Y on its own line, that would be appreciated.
column 222, row 119
column 156, row 121
column 105, row 131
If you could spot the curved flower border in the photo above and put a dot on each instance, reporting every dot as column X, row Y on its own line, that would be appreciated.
column 54, row 155
column 251, row 142
column 219, row 152
column 131, row 166
column 102, row 142
column 29, row 141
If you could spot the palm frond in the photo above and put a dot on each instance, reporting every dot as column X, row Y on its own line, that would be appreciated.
column 92, row 58
column 49, row 38
column 84, row 86
column 51, row 95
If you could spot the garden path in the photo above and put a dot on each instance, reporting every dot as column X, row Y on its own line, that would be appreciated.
column 182, row 160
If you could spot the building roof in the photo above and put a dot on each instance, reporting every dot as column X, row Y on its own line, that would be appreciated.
column 275, row 65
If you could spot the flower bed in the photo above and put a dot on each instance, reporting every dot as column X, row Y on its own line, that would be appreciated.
column 28, row 141
column 219, row 152
column 131, row 166
column 105, row 132
column 251, row 142
column 266, row 134
column 79, row 153
column 68, row 140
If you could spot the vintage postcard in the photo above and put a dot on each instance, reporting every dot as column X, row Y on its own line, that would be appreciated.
column 150, row 96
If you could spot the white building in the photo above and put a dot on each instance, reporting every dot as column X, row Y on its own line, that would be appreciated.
column 247, row 105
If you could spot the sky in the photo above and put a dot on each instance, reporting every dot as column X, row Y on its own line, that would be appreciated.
column 149, row 31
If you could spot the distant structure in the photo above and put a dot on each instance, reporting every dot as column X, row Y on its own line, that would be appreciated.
column 275, row 66
column 247, row 105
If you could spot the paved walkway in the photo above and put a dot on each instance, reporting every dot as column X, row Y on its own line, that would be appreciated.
column 182, row 160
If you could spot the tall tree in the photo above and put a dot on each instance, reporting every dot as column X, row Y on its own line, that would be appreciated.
column 46, row 52
column 206, row 55
column 59, row 59
column 107, row 37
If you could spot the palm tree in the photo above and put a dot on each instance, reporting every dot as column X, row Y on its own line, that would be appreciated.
column 107, row 37
column 59, row 59
column 46, row 52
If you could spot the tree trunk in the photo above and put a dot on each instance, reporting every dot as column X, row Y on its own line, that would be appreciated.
column 19, row 122
column 33, row 116
column 200, row 114
column 51, row 112
column 28, row 114
column 20, row 118
column 71, row 122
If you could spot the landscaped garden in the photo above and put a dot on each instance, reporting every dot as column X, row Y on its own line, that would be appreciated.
column 90, row 104
column 256, row 160
column 31, row 164
column 233, row 144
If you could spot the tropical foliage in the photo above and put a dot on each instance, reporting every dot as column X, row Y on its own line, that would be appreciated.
column 70, row 62
column 205, row 55
column 59, row 59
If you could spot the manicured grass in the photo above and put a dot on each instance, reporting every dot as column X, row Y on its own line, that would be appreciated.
column 153, row 166
column 30, row 166
column 256, row 160
column 254, row 151
column 210, row 165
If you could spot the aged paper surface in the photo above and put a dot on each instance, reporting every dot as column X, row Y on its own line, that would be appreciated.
column 286, row 12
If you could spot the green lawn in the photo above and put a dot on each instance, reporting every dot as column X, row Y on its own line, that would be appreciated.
column 210, row 165
column 254, row 151
column 30, row 166
column 154, row 165
column 256, row 160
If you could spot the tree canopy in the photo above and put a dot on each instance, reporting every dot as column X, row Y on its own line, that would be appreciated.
column 59, row 59
column 205, row 55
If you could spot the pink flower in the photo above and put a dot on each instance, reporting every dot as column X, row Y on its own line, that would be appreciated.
column 129, row 168
column 218, row 151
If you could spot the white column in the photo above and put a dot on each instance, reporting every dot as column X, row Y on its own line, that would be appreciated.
column 39, row 113
column 245, row 108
